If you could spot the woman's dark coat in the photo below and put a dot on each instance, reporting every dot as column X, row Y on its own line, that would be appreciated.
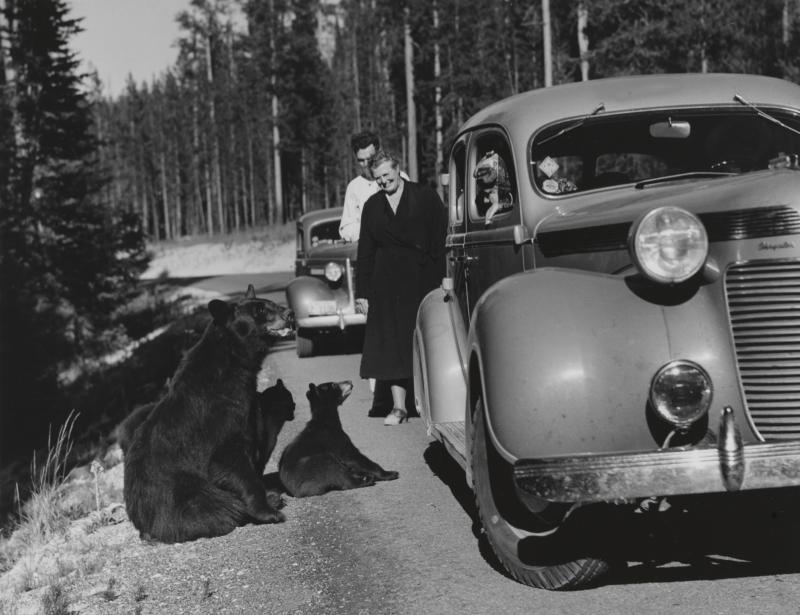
column 400, row 260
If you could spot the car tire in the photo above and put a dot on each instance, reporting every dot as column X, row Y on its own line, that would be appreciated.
column 545, row 559
column 305, row 344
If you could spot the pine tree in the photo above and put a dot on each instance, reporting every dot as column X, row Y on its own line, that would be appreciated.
column 66, row 263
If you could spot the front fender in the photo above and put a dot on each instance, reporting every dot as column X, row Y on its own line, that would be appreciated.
column 566, row 359
column 440, row 386
column 301, row 291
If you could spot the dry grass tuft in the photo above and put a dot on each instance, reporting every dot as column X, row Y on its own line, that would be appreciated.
column 41, row 514
column 55, row 601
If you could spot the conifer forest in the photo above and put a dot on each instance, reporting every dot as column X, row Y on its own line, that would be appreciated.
column 250, row 128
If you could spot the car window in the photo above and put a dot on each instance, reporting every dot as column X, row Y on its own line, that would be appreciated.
column 608, row 151
column 494, row 185
column 325, row 234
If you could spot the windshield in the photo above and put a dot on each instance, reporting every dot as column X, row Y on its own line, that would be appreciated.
column 621, row 149
column 325, row 234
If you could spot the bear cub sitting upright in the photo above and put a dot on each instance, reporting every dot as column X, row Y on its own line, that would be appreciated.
column 276, row 406
column 322, row 457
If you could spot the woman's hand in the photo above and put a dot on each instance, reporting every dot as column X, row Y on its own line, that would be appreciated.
column 362, row 306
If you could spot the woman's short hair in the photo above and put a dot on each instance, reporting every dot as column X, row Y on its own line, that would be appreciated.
column 382, row 156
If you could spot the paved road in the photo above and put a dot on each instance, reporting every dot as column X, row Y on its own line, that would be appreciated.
column 412, row 545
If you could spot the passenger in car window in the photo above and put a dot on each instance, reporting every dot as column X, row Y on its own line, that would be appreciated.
column 494, row 186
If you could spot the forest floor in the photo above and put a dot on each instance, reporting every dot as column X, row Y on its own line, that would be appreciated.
column 52, row 559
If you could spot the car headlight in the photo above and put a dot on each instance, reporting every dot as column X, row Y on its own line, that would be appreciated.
column 681, row 393
column 669, row 245
column 333, row 271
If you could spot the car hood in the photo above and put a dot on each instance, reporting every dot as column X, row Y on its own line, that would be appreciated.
column 777, row 189
column 334, row 252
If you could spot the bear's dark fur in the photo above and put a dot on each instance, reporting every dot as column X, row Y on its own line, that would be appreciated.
column 189, row 469
column 123, row 433
column 276, row 406
column 322, row 457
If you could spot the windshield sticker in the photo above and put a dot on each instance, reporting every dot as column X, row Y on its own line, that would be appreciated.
column 548, row 166
column 550, row 185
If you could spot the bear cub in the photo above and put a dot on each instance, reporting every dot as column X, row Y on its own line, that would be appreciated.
column 191, row 467
column 322, row 457
column 276, row 406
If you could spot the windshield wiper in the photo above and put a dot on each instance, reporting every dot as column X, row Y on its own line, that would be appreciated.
column 764, row 114
column 573, row 126
column 678, row 176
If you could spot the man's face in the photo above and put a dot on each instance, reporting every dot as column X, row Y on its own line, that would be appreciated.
column 387, row 176
column 364, row 157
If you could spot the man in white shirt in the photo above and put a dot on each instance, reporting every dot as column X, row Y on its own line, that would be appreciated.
column 363, row 186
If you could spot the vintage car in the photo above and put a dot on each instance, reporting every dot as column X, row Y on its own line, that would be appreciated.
column 321, row 295
column 624, row 330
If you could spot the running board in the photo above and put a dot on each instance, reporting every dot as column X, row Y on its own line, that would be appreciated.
column 452, row 436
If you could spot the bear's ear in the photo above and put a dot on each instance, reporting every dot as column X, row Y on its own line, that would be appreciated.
column 251, row 292
column 312, row 391
column 280, row 384
column 220, row 311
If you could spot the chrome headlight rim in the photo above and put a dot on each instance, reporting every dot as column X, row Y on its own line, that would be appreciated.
column 645, row 240
column 669, row 413
column 333, row 271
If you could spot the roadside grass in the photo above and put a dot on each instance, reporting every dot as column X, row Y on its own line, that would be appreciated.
column 41, row 517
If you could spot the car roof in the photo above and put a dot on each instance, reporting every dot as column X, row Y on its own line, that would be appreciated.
column 320, row 215
column 530, row 110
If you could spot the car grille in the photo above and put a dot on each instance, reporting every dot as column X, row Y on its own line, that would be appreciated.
column 764, row 306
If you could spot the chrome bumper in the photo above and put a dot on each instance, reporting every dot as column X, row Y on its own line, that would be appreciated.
column 331, row 320
column 730, row 466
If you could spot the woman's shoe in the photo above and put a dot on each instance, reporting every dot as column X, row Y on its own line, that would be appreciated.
column 396, row 416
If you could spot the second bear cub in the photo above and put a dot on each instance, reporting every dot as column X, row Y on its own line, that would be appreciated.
column 322, row 457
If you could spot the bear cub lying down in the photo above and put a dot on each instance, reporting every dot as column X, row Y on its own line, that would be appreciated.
column 193, row 466
column 322, row 457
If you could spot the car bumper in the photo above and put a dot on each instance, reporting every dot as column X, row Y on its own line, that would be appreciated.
column 730, row 466
column 330, row 321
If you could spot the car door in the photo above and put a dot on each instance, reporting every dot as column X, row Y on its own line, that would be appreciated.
column 490, row 250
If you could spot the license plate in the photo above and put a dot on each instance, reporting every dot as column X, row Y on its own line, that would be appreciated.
column 321, row 308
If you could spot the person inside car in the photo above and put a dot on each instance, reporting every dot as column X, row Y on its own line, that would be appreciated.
column 494, row 186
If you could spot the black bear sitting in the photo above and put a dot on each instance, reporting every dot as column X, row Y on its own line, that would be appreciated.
column 189, row 468
column 276, row 406
column 322, row 457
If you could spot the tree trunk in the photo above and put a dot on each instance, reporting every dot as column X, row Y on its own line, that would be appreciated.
column 547, row 44
column 251, row 179
column 437, row 102
column 196, row 148
column 303, row 181
column 276, row 131
column 164, row 198
column 212, row 111
column 583, row 40
column 411, row 111
column 356, row 81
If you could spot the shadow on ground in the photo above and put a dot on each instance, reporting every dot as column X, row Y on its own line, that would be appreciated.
column 692, row 538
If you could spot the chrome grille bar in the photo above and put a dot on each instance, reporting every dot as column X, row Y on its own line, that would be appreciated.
column 764, row 307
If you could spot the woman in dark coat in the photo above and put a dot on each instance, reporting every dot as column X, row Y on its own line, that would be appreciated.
column 400, row 260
